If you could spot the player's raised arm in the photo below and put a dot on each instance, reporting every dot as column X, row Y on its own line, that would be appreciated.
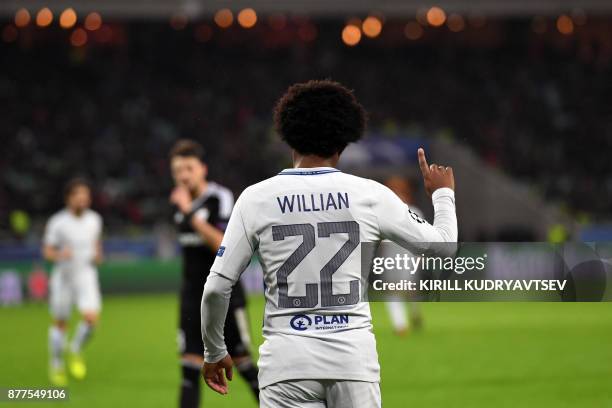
column 233, row 257
column 399, row 224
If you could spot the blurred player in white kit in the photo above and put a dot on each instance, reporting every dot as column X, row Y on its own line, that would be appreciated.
column 72, row 241
column 404, row 189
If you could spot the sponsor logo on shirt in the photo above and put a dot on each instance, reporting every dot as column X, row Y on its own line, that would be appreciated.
column 300, row 322
column 220, row 251
column 303, row 322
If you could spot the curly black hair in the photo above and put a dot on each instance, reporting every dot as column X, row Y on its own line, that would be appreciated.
column 319, row 117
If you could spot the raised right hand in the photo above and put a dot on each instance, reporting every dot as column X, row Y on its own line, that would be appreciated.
column 435, row 176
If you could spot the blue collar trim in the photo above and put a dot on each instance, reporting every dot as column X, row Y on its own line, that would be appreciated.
column 306, row 172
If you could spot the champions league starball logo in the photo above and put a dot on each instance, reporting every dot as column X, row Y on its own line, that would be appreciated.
column 300, row 322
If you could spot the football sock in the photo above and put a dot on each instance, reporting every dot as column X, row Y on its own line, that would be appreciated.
column 249, row 372
column 57, row 339
column 416, row 318
column 81, row 336
column 414, row 308
column 190, row 387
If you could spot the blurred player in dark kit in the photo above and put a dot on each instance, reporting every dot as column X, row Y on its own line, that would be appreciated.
column 202, row 211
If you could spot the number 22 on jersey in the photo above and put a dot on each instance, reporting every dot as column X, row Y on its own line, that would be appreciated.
column 307, row 231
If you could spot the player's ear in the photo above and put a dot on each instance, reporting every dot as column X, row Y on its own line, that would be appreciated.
column 204, row 169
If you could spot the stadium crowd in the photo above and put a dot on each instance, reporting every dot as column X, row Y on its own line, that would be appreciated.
column 534, row 106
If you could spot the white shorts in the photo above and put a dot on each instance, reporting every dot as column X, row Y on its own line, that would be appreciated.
column 320, row 394
column 75, row 287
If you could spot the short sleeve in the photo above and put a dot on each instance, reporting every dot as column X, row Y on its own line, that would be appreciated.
column 52, row 232
column 237, row 247
column 99, row 225
column 226, row 204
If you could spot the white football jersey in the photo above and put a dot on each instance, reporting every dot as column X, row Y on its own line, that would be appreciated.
column 306, row 225
column 79, row 233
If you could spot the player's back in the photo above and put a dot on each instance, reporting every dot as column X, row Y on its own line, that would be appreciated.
column 309, row 225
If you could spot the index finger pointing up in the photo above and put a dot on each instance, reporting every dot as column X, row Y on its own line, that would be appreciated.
column 423, row 161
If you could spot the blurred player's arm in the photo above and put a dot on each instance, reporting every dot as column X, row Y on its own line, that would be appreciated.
column 211, row 235
column 399, row 224
column 99, row 251
column 233, row 257
column 54, row 254
column 99, row 256
column 51, row 250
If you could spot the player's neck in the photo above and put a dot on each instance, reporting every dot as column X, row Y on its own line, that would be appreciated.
column 77, row 212
column 311, row 160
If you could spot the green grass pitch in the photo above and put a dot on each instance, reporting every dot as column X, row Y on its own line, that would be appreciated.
column 468, row 355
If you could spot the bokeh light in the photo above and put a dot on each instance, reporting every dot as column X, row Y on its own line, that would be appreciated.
column 372, row 26
column 68, row 18
column 455, row 23
column 224, row 18
column 20, row 222
column 78, row 38
column 44, row 17
column 565, row 25
column 351, row 35
column 413, row 30
column 22, row 17
column 436, row 16
column 93, row 21
column 247, row 18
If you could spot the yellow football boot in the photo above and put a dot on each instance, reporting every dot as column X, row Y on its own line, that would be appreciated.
column 77, row 367
column 58, row 377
